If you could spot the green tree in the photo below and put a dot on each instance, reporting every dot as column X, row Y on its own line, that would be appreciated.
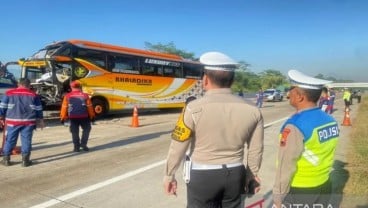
column 169, row 48
column 245, row 80
column 272, row 79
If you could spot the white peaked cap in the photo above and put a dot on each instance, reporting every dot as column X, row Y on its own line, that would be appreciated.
column 218, row 61
column 301, row 80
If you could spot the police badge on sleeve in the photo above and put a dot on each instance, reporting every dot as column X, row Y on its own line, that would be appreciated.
column 181, row 132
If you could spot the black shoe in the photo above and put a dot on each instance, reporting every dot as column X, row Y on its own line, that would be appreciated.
column 25, row 160
column 85, row 148
column 6, row 161
column 26, row 163
column 76, row 149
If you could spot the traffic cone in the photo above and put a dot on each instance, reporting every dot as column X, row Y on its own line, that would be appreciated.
column 346, row 121
column 135, row 121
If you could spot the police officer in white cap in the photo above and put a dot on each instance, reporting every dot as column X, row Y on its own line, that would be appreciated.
column 306, row 148
column 223, row 137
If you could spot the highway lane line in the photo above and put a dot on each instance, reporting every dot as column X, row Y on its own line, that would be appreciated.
column 98, row 185
column 274, row 122
column 113, row 180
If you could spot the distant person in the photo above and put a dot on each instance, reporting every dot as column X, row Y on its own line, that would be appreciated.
column 352, row 96
column 20, row 110
column 224, row 148
column 347, row 99
column 259, row 97
column 307, row 146
column 324, row 100
column 359, row 96
column 77, row 107
column 240, row 93
column 331, row 102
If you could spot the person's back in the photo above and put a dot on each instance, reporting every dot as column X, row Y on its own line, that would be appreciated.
column 318, row 129
column 78, row 108
column 306, row 149
column 21, row 108
column 224, row 140
column 24, row 107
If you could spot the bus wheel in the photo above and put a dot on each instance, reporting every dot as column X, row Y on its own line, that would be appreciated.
column 99, row 107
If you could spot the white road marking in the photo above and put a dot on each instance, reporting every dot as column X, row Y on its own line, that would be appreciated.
column 274, row 122
column 112, row 180
column 98, row 185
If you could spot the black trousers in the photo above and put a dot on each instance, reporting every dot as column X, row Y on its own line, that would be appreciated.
column 75, row 124
column 220, row 188
column 319, row 196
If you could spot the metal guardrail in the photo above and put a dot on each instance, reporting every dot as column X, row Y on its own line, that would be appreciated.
column 349, row 85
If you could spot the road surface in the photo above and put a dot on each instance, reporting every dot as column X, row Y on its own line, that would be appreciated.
column 124, row 167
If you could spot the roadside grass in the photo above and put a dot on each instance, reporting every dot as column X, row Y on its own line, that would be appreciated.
column 357, row 156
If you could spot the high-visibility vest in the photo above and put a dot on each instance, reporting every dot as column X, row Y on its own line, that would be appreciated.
column 346, row 95
column 321, row 134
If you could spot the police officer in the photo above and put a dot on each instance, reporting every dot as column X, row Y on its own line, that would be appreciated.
column 77, row 107
column 223, row 137
column 306, row 148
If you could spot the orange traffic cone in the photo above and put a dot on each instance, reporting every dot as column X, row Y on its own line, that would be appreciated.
column 135, row 121
column 346, row 121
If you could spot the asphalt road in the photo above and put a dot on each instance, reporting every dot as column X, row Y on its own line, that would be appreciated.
column 124, row 167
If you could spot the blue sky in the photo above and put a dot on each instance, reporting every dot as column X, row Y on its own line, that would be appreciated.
column 314, row 36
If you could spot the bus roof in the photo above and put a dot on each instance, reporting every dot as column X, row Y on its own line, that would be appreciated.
column 125, row 50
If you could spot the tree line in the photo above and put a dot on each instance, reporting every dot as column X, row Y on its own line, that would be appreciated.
column 245, row 79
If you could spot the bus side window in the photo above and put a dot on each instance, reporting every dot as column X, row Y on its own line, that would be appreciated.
column 95, row 57
column 160, row 70
column 126, row 65
column 192, row 70
column 148, row 70
column 178, row 72
column 168, row 72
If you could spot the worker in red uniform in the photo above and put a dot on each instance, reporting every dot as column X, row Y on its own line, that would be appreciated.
column 77, row 107
column 20, row 111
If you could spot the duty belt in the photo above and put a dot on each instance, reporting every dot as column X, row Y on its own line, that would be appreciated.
column 197, row 166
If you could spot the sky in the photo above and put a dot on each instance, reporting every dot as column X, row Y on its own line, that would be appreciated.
column 328, row 37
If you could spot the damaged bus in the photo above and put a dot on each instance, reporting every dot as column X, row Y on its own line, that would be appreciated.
column 115, row 77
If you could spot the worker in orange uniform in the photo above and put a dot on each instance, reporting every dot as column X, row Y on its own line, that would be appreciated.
column 78, row 108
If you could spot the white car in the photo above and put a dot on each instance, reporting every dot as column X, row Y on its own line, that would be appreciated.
column 273, row 95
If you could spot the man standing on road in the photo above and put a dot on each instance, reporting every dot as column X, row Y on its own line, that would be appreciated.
column 77, row 107
column 306, row 148
column 347, row 99
column 332, row 94
column 222, row 137
column 20, row 110
column 260, row 98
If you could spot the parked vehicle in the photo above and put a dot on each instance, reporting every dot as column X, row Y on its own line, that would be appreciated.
column 273, row 95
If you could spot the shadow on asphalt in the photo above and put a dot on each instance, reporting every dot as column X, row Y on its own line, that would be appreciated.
column 52, row 117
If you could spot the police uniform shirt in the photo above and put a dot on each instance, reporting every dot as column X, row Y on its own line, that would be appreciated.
column 225, row 129
column 290, row 151
column 291, row 145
